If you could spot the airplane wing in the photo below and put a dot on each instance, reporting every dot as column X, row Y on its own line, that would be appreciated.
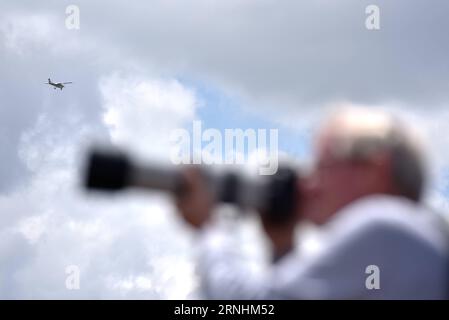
column 67, row 82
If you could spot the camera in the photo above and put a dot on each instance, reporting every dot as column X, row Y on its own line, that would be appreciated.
column 275, row 196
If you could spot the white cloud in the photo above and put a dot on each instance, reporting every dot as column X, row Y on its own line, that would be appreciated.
column 141, row 113
column 125, row 247
column 22, row 32
column 27, row 34
column 294, row 55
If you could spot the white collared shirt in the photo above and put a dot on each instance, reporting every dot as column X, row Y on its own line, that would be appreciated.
column 405, row 242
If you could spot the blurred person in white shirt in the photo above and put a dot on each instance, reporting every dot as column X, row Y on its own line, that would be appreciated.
column 365, row 194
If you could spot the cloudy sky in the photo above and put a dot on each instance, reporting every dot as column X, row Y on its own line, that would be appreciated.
column 142, row 70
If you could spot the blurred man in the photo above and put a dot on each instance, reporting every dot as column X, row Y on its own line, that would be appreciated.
column 364, row 193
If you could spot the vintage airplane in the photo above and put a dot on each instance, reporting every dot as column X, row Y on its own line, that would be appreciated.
column 59, row 85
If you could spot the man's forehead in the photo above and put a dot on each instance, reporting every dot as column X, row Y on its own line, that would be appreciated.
column 350, row 125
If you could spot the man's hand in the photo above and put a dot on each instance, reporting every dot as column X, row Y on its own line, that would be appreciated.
column 196, row 202
column 281, row 237
column 281, row 233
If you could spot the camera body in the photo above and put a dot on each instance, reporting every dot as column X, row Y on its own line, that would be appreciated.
column 275, row 196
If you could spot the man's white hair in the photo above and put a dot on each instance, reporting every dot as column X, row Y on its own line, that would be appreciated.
column 358, row 134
